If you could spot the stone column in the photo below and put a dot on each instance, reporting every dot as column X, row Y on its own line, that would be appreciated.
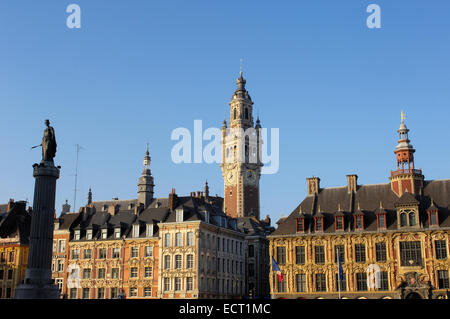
column 38, row 283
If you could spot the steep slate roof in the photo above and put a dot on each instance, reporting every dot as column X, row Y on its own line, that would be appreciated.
column 251, row 226
column 16, row 222
column 96, row 218
column 369, row 198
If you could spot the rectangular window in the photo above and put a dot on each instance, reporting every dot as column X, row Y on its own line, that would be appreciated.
column 166, row 284
column 114, row 293
column 167, row 262
column 383, row 280
column 100, row 293
column 300, row 255
column 343, row 283
column 189, row 283
column 301, row 282
column 443, row 282
column 319, row 254
column 167, row 240
column 116, row 253
column 149, row 230
column 55, row 245
column 104, row 233
column 320, row 282
column 177, row 283
column 410, row 253
column 359, row 222
column 300, row 224
column 133, row 292
column 101, row 273
column 62, row 246
column 134, row 252
column 380, row 252
column 77, row 235
column 178, row 261
column 147, row 292
column 178, row 239
column 251, row 270
column 115, row 273
column 10, row 274
column 86, row 293
column 148, row 251
column 73, row 293
column 381, row 221
column 361, row 281
column 339, row 251
column 133, row 272
column 281, row 255
column 319, row 223
column 179, row 217
column 441, row 249
column 89, row 234
column 190, row 239
column 59, row 283
column 102, row 253
column 360, row 253
column 60, row 265
column 148, row 272
column 117, row 233
column 339, row 223
column 86, row 273
column 2, row 275
column 75, row 253
column 135, row 231
column 87, row 253
column 190, row 261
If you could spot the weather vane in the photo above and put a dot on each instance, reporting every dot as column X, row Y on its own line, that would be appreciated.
column 403, row 116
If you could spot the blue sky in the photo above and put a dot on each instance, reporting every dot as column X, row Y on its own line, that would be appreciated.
column 137, row 70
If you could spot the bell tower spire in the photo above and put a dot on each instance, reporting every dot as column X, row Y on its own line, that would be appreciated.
column 406, row 178
column 145, row 185
column 241, row 156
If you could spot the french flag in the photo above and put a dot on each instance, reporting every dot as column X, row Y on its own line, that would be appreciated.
column 277, row 269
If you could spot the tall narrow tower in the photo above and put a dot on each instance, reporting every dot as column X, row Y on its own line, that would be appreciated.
column 241, row 159
column 145, row 186
column 406, row 178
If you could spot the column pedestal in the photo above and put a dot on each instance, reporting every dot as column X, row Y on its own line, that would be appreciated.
column 38, row 283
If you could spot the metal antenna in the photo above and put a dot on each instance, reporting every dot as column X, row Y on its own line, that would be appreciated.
column 79, row 147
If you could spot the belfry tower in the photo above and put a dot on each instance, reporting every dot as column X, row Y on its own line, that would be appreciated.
column 145, row 186
column 241, row 156
column 406, row 178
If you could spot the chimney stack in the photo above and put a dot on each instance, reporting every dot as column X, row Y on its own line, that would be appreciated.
column 352, row 183
column 313, row 185
column 172, row 200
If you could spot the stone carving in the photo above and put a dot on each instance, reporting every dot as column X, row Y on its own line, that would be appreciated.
column 48, row 143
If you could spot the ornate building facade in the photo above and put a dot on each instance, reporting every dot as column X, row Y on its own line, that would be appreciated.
column 392, row 239
column 15, row 221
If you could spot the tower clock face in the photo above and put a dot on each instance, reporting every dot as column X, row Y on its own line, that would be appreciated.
column 251, row 176
column 230, row 177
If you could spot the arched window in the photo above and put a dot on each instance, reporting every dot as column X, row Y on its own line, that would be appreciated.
column 234, row 113
column 246, row 113
column 403, row 219
column 412, row 219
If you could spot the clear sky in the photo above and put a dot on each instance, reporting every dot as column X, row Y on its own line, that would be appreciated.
column 136, row 70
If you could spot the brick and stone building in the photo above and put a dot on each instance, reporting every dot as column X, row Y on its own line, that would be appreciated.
column 392, row 239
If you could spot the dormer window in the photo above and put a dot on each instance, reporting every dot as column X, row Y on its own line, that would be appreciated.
column 89, row 234
column 149, row 230
column 408, row 217
column 179, row 216
column 104, row 233
column 381, row 221
column 77, row 235
column 301, row 224
column 339, row 223
column 433, row 218
column 117, row 232
column 318, row 223
column 359, row 222
column 135, row 231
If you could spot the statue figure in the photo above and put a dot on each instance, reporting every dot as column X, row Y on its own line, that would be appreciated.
column 48, row 143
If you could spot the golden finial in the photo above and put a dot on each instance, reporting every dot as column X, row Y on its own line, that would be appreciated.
column 403, row 116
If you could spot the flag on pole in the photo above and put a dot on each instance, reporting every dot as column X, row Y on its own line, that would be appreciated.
column 276, row 268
